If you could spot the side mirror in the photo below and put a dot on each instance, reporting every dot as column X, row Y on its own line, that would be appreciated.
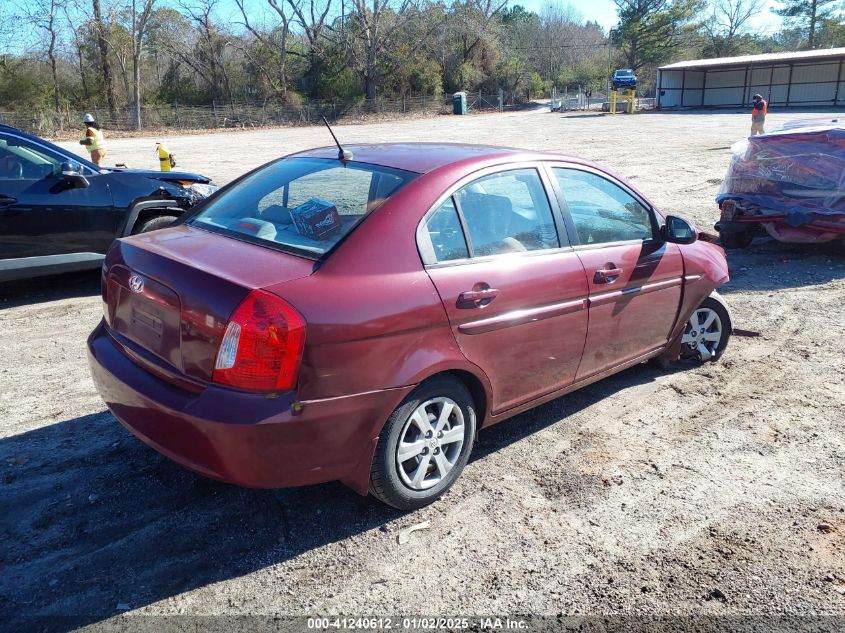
column 73, row 177
column 677, row 230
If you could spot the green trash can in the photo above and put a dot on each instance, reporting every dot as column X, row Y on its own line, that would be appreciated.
column 459, row 103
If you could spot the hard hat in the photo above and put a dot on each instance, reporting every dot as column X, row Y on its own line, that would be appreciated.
column 758, row 97
column 88, row 118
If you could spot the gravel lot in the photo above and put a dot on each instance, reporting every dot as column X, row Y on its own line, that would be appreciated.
column 714, row 490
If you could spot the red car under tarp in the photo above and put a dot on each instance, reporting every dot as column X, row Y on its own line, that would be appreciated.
column 790, row 181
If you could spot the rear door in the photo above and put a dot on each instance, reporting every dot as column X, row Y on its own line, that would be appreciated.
column 41, row 214
column 635, row 280
column 513, row 288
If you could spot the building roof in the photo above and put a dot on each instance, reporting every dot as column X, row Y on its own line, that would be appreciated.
column 768, row 58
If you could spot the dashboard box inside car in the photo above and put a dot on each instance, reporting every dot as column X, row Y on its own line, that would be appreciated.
column 316, row 218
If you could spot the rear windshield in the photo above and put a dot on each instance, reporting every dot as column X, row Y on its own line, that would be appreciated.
column 301, row 205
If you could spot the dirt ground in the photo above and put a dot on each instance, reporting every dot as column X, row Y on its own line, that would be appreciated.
column 714, row 490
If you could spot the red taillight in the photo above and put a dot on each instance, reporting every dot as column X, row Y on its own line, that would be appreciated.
column 262, row 347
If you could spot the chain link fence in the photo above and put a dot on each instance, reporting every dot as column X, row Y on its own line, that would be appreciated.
column 254, row 114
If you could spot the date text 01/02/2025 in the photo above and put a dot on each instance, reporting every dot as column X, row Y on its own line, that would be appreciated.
column 415, row 623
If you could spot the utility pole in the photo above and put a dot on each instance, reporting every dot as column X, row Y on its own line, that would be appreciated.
column 609, row 54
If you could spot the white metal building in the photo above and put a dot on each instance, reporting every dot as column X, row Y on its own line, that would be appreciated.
column 805, row 78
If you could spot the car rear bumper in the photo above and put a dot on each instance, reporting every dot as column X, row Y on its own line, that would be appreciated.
column 242, row 438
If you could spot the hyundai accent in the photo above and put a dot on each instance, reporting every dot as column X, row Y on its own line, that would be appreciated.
column 360, row 315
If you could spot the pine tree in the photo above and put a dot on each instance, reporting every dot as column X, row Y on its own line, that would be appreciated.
column 808, row 14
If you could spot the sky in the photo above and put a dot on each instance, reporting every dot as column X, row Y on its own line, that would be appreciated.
column 604, row 12
column 601, row 11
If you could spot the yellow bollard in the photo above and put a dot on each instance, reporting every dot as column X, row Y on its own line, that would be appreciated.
column 629, row 94
column 166, row 160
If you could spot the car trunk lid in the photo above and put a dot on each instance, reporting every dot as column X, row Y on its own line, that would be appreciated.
column 172, row 292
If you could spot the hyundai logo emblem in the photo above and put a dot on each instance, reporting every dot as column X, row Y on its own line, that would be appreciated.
column 136, row 284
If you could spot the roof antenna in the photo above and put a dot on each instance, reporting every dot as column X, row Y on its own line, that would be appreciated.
column 343, row 155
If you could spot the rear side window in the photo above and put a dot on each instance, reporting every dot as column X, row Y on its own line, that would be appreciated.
column 446, row 235
column 507, row 212
column 303, row 205
column 602, row 211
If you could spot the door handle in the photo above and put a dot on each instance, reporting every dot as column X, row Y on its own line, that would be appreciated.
column 607, row 275
column 477, row 296
column 5, row 201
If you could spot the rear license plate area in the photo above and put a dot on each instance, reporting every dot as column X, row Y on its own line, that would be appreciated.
column 147, row 322
column 148, row 314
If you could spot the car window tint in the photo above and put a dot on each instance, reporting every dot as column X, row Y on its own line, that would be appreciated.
column 444, row 230
column 348, row 189
column 601, row 210
column 304, row 204
column 507, row 212
column 22, row 160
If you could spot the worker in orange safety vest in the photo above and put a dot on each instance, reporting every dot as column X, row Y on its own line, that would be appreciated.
column 94, row 141
column 758, row 115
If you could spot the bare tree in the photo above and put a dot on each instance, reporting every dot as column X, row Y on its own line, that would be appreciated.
column 138, row 30
column 280, row 83
column 728, row 23
column 102, row 45
column 477, row 20
column 78, row 47
column 376, row 26
column 207, row 56
column 311, row 16
column 44, row 15
column 118, row 42
column 7, row 30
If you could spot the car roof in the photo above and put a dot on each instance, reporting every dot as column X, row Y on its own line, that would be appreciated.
column 10, row 129
column 5, row 127
column 426, row 157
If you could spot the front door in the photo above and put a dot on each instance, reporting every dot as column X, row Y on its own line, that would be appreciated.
column 42, row 215
column 514, row 291
column 635, row 280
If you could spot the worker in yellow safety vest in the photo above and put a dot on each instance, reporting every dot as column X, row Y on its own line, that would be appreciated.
column 94, row 141
column 758, row 115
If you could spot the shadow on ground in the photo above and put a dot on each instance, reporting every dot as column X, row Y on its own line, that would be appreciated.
column 585, row 116
column 768, row 265
column 52, row 288
column 93, row 522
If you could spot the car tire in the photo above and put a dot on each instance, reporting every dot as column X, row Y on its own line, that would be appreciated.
column 154, row 224
column 418, row 431
column 698, row 341
column 741, row 239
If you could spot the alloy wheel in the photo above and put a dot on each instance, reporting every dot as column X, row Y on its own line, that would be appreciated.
column 430, row 443
column 702, row 335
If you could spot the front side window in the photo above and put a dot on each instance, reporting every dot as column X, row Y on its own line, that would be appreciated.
column 20, row 160
column 507, row 212
column 305, row 205
column 602, row 211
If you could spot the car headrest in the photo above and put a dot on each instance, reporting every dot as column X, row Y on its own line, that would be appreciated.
column 277, row 213
column 495, row 206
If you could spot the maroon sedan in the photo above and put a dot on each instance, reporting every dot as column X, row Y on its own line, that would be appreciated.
column 359, row 318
